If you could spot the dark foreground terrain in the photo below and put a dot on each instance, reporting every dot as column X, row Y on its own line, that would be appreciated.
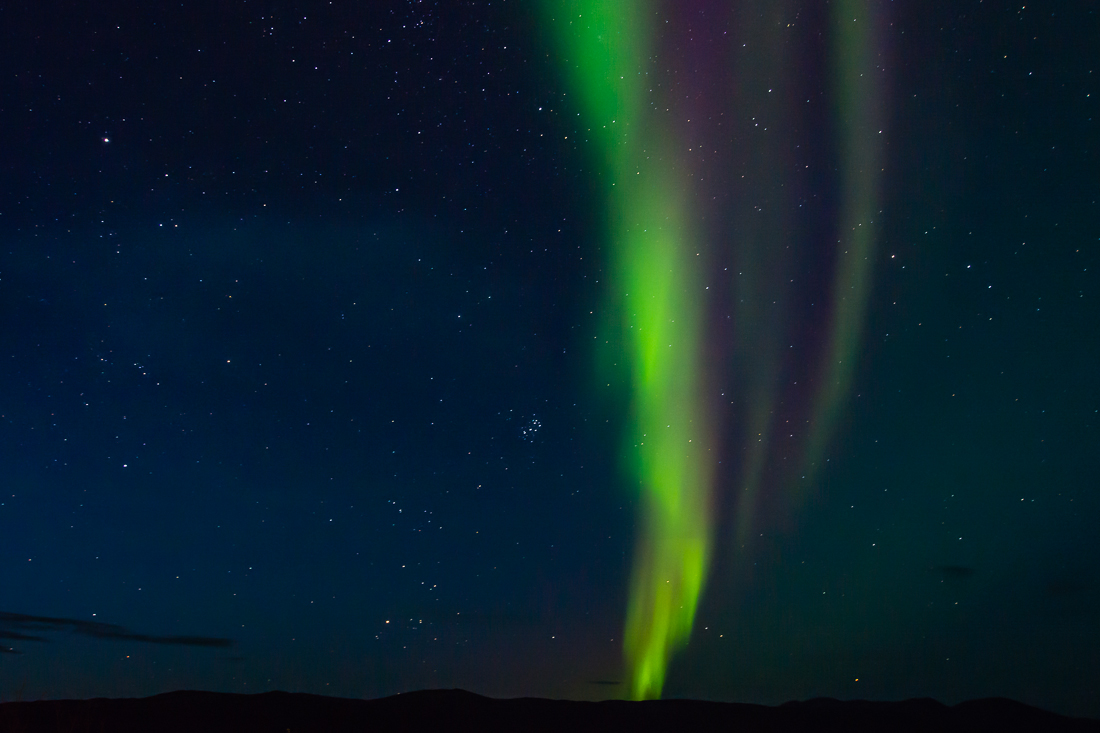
column 441, row 710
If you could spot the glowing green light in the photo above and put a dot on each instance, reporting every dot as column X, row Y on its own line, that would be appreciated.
column 655, row 291
column 655, row 288
column 662, row 317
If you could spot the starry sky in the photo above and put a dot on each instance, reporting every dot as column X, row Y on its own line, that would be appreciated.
column 304, row 319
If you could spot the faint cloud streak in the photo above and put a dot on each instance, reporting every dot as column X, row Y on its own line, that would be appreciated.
column 15, row 625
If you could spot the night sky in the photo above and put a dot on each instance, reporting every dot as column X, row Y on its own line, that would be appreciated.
column 311, row 378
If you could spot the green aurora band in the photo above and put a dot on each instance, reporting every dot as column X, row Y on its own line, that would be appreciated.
column 858, row 90
column 655, row 292
column 655, row 286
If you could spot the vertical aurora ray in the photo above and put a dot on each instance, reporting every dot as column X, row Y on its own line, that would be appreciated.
column 763, row 234
column 858, row 91
column 655, row 290
column 708, row 163
column 669, row 441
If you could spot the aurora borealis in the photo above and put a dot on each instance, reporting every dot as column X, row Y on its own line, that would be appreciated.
column 584, row 349
column 615, row 51
column 655, row 291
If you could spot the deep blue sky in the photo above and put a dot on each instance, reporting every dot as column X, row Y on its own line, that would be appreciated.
column 295, row 302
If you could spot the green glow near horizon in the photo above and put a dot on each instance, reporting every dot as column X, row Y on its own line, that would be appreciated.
column 670, row 437
column 654, row 289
